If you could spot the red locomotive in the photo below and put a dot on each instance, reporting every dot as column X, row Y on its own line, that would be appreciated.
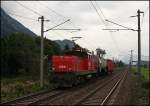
column 76, row 66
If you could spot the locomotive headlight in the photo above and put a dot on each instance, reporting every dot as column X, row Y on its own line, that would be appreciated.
column 53, row 68
column 62, row 66
column 70, row 69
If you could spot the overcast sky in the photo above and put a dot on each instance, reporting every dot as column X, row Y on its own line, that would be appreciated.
column 83, row 15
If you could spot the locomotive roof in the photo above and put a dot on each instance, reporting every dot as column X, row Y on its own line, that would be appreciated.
column 77, row 53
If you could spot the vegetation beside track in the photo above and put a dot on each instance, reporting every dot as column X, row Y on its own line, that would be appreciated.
column 139, row 87
column 20, row 64
column 17, row 86
column 144, row 71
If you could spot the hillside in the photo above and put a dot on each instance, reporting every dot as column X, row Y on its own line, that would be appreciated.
column 10, row 25
column 63, row 43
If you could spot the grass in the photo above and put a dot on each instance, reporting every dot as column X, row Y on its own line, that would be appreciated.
column 18, row 86
column 139, row 88
column 144, row 71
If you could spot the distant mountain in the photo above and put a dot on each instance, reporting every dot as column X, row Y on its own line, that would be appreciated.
column 10, row 25
column 63, row 43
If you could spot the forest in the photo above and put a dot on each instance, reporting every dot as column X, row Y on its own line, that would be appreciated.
column 20, row 53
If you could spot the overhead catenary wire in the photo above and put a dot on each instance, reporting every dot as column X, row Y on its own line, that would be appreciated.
column 97, row 12
column 58, row 14
column 100, row 10
column 64, row 18
column 22, row 16
column 39, row 13
column 28, row 8
column 57, row 33
column 46, row 8
column 54, row 12
column 106, row 25
column 32, row 11
column 121, row 25
column 57, row 25
column 51, row 10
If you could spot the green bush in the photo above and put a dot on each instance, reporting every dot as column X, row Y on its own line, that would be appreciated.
column 145, row 84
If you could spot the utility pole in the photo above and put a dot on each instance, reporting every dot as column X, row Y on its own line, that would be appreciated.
column 131, row 59
column 139, row 37
column 42, row 41
column 139, row 42
column 42, row 53
column 41, row 58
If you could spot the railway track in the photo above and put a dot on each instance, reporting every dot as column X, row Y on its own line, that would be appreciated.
column 74, row 97
column 33, row 98
column 96, row 93
column 102, row 94
column 118, row 84
column 87, row 94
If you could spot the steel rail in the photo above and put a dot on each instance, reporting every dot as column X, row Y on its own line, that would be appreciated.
column 113, row 89
column 26, row 96
column 44, row 98
column 79, row 102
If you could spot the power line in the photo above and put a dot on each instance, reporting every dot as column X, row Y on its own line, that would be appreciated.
column 97, row 12
column 55, row 13
column 64, row 18
column 107, row 26
column 28, row 8
column 57, row 33
column 41, row 15
column 47, row 14
column 33, row 11
column 22, row 16
column 105, row 23
column 121, row 25
column 46, row 8
column 100, row 10
column 52, row 10
column 57, row 25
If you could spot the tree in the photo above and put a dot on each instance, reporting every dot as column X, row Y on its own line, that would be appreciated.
column 100, row 52
column 66, row 47
column 21, row 53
